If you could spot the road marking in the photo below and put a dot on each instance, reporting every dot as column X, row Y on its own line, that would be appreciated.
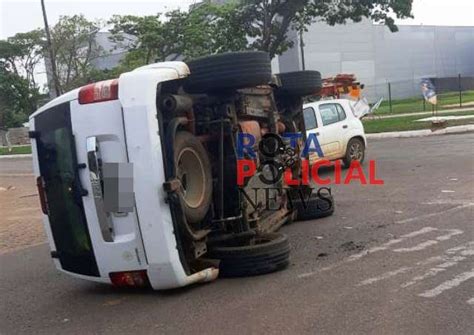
column 386, row 275
column 403, row 269
column 421, row 246
column 470, row 301
column 385, row 246
column 426, row 244
column 452, row 232
column 433, row 271
column 447, row 285
column 425, row 216
column 449, row 261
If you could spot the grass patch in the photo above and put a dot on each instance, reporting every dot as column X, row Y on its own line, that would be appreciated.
column 413, row 105
column 17, row 150
column 405, row 123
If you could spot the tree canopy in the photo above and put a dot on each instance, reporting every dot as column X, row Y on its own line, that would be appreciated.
column 268, row 22
column 176, row 35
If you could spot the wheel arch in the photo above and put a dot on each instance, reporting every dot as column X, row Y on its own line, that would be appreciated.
column 358, row 136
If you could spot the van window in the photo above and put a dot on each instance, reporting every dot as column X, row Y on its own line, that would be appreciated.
column 310, row 118
column 58, row 168
column 331, row 113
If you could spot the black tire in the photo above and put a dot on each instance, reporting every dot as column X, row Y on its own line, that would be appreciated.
column 228, row 71
column 193, row 169
column 300, row 83
column 350, row 156
column 270, row 253
column 314, row 208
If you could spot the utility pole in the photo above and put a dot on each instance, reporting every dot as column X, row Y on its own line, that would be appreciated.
column 303, row 65
column 52, row 59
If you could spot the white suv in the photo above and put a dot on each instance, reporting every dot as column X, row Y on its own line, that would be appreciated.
column 339, row 132
column 137, row 175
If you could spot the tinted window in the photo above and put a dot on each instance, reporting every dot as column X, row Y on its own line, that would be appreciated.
column 310, row 118
column 58, row 167
column 331, row 113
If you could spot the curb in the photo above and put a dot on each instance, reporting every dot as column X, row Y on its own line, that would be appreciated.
column 423, row 132
column 372, row 117
column 16, row 156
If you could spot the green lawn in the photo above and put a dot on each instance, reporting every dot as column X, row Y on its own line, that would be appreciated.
column 408, row 123
column 413, row 105
column 24, row 149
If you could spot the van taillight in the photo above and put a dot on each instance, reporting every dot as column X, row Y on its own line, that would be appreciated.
column 102, row 91
column 130, row 279
column 42, row 194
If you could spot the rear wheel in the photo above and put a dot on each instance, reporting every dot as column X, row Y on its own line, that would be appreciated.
column 355, row 152
column 256, row 255
column 300, row 83
column 193, row 169
column 228, row 71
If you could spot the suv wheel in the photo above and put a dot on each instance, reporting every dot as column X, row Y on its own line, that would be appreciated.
column 256, row 255
column 300, row 83
column 193, row 169
column 228, row 71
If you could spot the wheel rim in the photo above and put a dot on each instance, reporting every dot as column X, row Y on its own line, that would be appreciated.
column 356, row 152
column 190, row 172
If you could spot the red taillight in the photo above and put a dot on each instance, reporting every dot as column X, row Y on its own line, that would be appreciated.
column 102, row 91
column 130, row 279
column 42, row 194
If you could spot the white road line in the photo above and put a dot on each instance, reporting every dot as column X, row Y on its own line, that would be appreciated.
column 385, row 246
column 429, row 243
column 403, row 269
column 419, row 232
column 433, row 271
column 447, row 285
column 425, row 216
column 470, row 301
column 386, row 275
column 461, row 247
column 418, row 247
column 452, row 232
column 449, row 261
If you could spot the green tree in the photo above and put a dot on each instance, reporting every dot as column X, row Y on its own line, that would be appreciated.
column 19, row 94
column 75, row 48
column 17, row 99
column 204, row 30
column 269, row 21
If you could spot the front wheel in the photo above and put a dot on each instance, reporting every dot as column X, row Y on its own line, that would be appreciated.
column 355, row 152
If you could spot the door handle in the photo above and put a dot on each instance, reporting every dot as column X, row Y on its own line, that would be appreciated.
column 344, row 126
column 95, row 175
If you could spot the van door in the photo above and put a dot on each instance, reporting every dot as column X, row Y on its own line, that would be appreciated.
column 60, row 181
column 311, row 126
column 332, row 129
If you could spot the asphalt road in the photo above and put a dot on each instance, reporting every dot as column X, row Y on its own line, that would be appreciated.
column 394, row 259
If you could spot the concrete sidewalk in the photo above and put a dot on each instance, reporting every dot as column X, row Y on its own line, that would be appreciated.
column 423, row 132
column 16, row 156
column 445, row 111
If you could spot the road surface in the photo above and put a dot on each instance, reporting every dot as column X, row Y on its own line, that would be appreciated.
column 394, row 259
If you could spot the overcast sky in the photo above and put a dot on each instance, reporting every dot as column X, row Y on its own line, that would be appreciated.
column 24, row 15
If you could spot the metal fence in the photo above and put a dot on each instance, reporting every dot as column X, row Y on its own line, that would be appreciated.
column 406, row 96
